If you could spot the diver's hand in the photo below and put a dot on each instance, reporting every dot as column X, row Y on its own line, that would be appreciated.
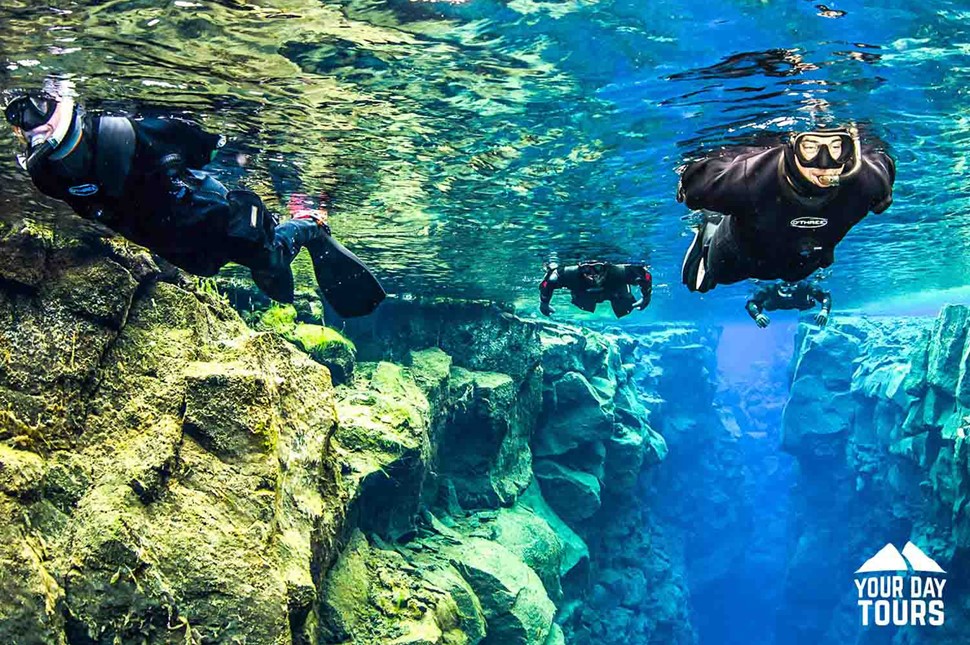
column 761, row 320
column 822, row 318
column 545, row 309
column 641, row 304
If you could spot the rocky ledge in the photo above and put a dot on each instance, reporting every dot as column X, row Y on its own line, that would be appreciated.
column 170, row 473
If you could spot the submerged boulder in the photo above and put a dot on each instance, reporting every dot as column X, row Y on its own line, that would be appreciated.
column 513, row 599
column 575, row 413
column 573, row 494
column 373, row 596
column 484, row 449
column 382, row 443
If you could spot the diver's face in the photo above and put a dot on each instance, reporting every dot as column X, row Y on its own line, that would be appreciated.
column 41, row 133
column 809, row 148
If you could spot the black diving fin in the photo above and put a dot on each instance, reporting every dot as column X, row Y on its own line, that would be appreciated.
column 347, row 284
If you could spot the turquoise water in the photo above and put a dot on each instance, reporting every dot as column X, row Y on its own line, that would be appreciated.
column 464, row 143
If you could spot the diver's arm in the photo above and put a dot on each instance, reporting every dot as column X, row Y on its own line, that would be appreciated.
column 164, row 137
column 881, row 174
column 641, row 277
column 755, row 308
column 717, row 183
column 547, row 288
column 825, row 298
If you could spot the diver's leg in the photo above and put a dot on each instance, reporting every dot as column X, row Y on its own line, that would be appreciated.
column 726, row 262
column 622, row 303
column 694, row 271
column 273, row 274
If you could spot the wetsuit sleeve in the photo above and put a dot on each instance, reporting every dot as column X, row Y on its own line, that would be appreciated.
column 716, row 184
column 162, row 137
column 756, row 303
column 882, row 174
column 641, row 277
column 823, row 297
column 549, row 285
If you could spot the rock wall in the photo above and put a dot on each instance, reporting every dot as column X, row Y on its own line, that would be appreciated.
column 170, row 474
column 163, row 470
column 878, row 420
column 537, row 463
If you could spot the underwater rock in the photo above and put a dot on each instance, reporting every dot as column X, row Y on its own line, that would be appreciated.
column 328, row 347
column 516, row 607
column 530, row 537
column 574, row 559
column 24, row 246
column 373, row 596
column 898, row 472
column 816, row 419
column 484, row 449
column 947, row 348
column 382, row 443
column 229, row 409
column 479, row 335
column 573, row 494
column 325, row 345
column 575, row 413
column 162, row 469
column 167, row 474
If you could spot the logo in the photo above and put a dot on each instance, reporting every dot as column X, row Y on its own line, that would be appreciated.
column 84, row 190
column 809, row 222
column 900, row 588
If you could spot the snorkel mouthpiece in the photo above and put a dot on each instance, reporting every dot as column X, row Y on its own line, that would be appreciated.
column 39, row 154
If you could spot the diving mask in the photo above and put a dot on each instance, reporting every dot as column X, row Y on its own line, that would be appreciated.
column 829, row 149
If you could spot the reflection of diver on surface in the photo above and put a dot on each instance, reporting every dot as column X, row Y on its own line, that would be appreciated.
column 139, row 177
column 780, row 212
column 591, row 283
column 801, row 295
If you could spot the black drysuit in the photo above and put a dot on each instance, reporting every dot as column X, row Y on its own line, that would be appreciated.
column 138, row 177
column 615, row 288
column 802, row 297
column 776, row 225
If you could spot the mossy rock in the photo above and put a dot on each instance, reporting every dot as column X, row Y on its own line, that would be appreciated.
column 530, row 537
column 484, row 448
column 280, row 319
column 516, row 606
column 373, row 596
column 383, row 445
column 328, row 347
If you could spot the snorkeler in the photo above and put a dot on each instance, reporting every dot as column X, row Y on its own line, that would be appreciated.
column 140, row 178
column 591, row 283
column 780, row 212
column 802, row 295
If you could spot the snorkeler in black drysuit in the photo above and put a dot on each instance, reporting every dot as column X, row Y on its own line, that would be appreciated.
column 140, row 177
column 780, row 212
column 802, row 295
column 591, row 283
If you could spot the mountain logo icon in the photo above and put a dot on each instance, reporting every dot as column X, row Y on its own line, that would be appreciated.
column 890, row 559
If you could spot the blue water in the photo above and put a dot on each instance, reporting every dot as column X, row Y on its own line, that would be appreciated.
column 465, row 143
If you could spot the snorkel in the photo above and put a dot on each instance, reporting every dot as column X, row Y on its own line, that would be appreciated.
column 43, row 123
